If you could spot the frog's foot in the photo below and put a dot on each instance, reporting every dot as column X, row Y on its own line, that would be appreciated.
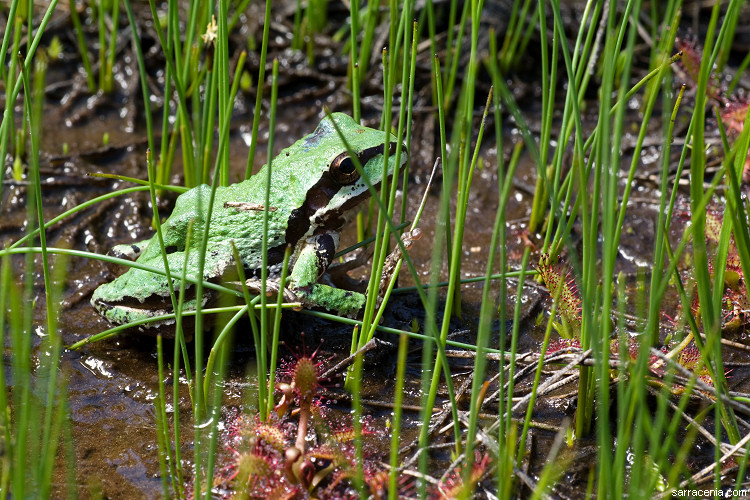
column 337, row 273
column 254, row 285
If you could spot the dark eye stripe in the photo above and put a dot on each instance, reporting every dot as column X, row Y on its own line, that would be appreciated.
column 321, row 193
column 335, row 218
column 317, row 197
column 370, row 153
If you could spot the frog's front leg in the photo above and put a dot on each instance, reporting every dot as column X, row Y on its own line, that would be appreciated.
column 312, row 262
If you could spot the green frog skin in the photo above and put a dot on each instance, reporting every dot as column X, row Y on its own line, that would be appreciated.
column 315, row 190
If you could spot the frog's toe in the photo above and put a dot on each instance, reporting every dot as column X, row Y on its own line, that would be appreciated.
column 255, row 286
column 128, row 251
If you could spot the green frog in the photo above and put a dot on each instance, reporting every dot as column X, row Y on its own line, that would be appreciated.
column 315, row 190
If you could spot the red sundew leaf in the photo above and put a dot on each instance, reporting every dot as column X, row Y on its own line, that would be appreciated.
column 695, row 307
column 690, row 358
column 563, row 345
column 735, row 298
column 690, row 61
column 632, row 349
column 378, row 484
column 558, row 281
column 733, row 276
column 733, row 116
column 326, row 452
column 306, row 378
column 714, row 221
column 691, row 57
column 453, row 485
column 736, row 306
column 270, row 434
column 303, row 374
column 258, row 464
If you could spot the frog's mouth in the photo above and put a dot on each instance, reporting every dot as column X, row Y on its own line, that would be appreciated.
column 129, row 310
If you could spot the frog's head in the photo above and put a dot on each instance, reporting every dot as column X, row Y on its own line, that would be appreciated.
column 340, row 186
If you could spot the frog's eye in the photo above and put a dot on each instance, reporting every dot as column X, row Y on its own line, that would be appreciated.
column 343, row 169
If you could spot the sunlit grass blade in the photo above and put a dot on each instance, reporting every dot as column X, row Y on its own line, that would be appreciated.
column 259, row 90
